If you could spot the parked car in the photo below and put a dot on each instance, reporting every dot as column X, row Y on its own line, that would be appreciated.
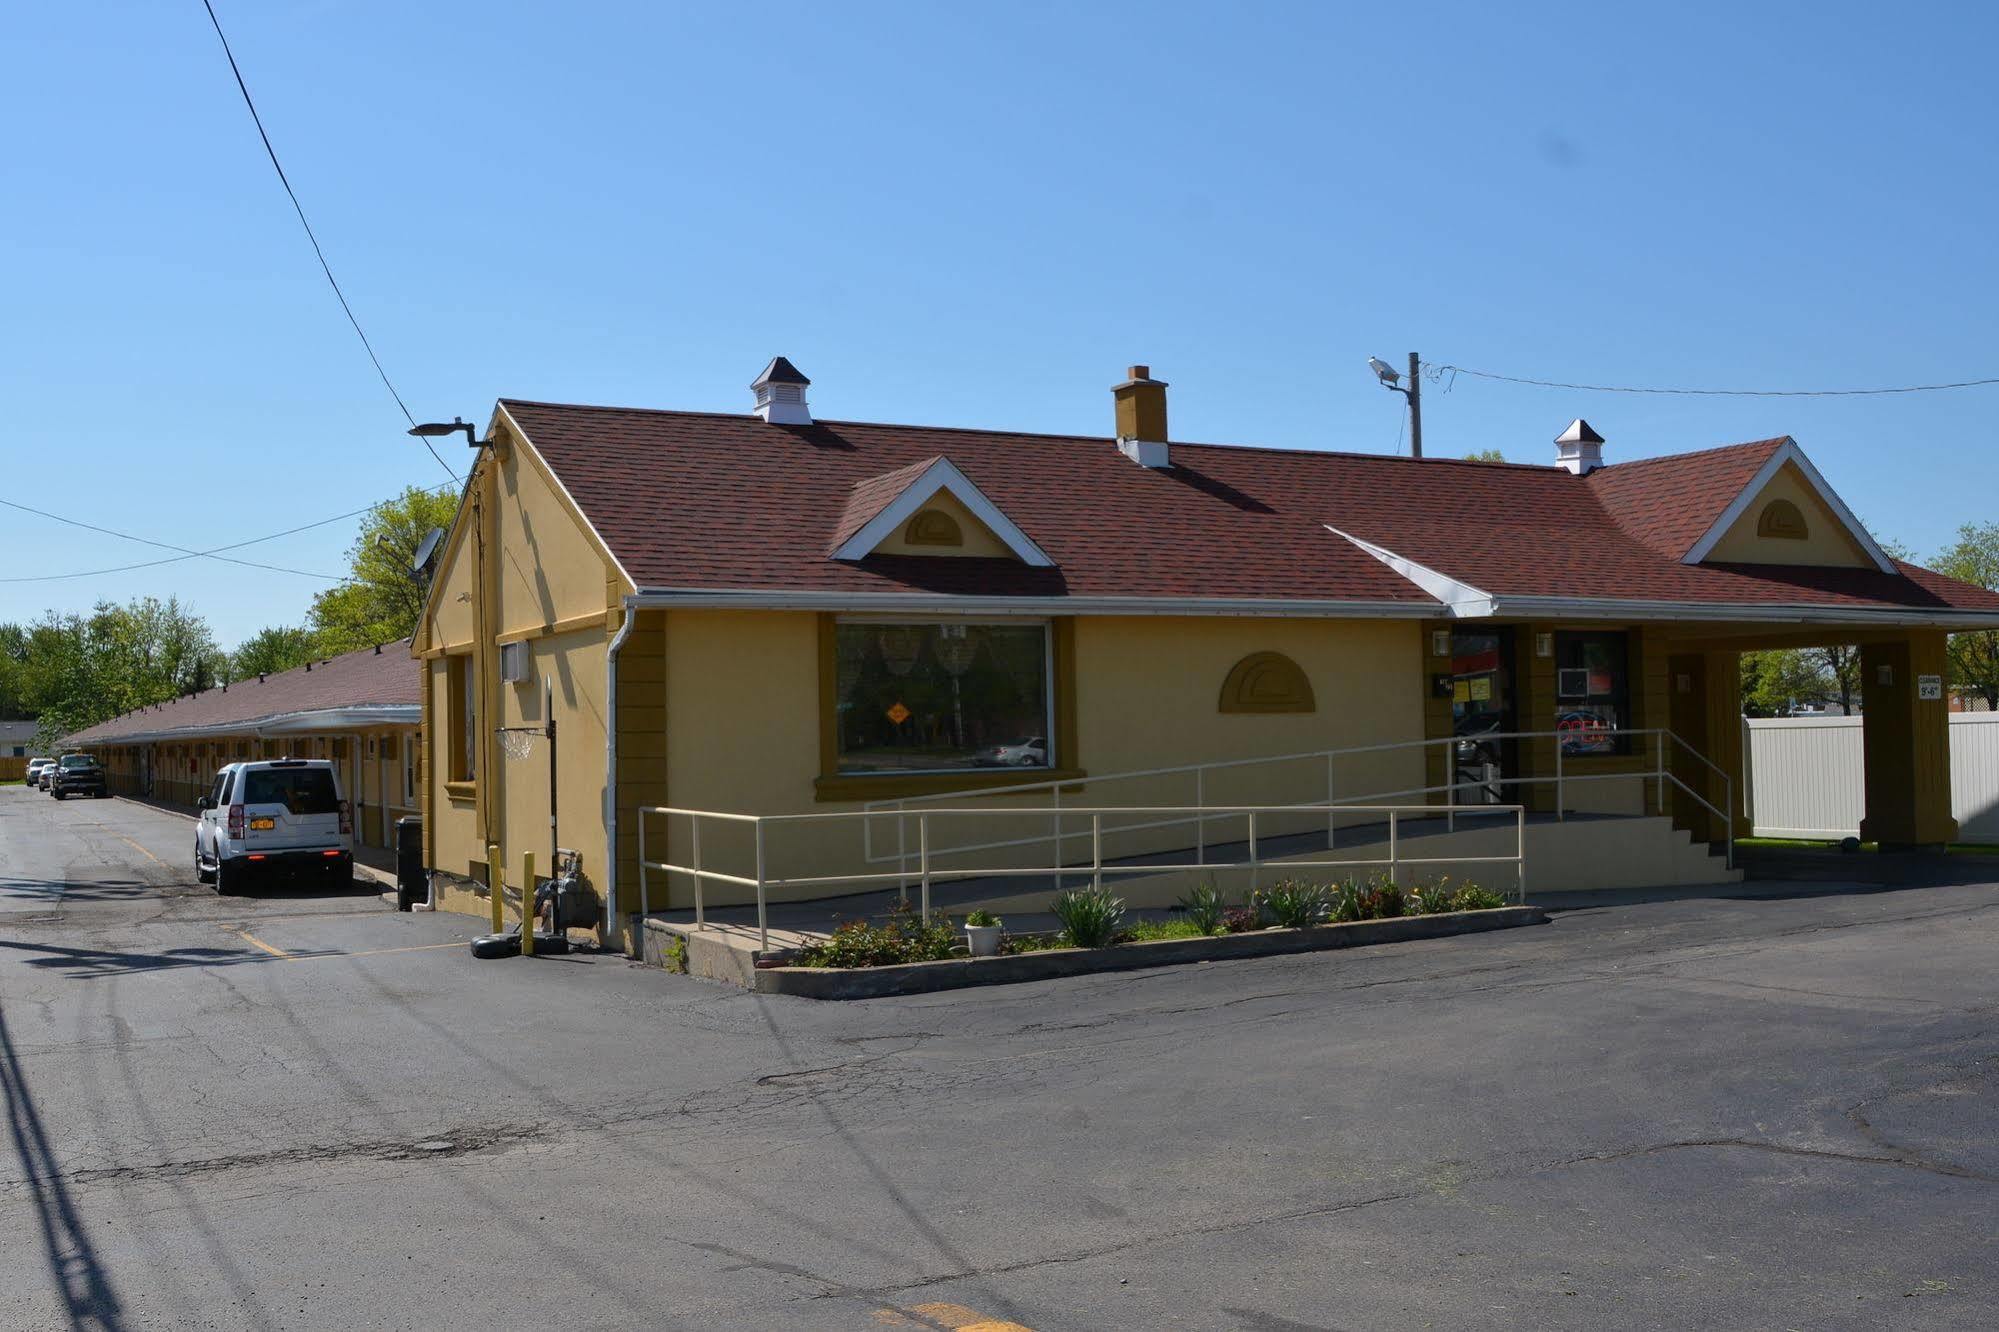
column 270, row 818
column 42, row 777
column 1031, row 752
column 77, row 774
column 33, row 775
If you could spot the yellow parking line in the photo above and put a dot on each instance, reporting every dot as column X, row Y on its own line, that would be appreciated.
column 960, row 1319
column 405, row 948
column 248, row 937
column 140, row 849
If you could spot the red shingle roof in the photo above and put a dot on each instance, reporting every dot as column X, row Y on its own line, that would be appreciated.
column 368, row 678
column 698, row 500
column 871, row 496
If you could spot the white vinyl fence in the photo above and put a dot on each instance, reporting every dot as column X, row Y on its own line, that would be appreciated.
column 1806, row 776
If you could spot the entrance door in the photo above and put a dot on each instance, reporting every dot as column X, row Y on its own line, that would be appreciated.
column 1481, row 711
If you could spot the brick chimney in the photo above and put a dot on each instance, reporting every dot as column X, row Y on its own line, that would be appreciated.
column 1141, row 417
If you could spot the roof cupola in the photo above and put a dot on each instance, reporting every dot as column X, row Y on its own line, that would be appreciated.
column 780, row 391
column 1579, row 449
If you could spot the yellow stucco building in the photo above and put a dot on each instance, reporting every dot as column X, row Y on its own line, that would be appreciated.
column 770, row 614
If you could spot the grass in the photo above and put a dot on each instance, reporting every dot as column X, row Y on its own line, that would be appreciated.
column 1808, row 844
column 1178, row 927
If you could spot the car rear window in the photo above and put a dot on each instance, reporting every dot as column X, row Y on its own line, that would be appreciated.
column 299, row 790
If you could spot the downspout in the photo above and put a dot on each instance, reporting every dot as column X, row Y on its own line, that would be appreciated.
column 611, row 770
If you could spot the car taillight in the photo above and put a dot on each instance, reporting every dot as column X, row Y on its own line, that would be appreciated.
column 235, row 820
column 346, row 818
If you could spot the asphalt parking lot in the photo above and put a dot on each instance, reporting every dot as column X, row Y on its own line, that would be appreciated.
column 306, row 1111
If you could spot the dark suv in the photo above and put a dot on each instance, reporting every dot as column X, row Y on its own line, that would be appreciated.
column 77, row 774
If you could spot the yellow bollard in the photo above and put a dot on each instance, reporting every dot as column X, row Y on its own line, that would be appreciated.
column 496, row 886
column 527, row 905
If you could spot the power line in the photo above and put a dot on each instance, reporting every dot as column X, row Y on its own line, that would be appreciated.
column 1723, row 393
column 299, row 208
column 214, row 552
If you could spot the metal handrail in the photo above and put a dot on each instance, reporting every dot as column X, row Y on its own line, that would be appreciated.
column 928, row 873
column 1658, row 774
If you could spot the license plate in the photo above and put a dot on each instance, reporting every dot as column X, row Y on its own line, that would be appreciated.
column 263, row 825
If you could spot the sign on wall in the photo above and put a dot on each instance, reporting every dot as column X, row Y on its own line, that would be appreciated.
column 1929, row 686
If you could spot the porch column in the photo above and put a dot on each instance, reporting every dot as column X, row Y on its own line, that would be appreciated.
column 1906, row 742
column 1705, row 693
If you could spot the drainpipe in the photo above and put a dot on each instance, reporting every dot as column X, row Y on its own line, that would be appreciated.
column 611, row 769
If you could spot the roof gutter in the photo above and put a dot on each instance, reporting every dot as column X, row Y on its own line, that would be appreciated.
column 926, row 603
column 1856, row 617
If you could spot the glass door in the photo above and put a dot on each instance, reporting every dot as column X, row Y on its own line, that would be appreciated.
column 1481, row 713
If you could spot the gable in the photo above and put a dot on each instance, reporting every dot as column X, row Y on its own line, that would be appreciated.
column 944, row 526
column 1786, row 520
column 929, row 508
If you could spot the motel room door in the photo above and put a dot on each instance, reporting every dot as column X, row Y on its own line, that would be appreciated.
column 1481, row 710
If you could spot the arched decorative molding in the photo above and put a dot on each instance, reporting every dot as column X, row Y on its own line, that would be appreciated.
column 933, row 527
column 1784, row 520
column 1267, row 682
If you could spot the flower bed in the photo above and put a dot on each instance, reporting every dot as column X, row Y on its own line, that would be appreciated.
column 903, row 956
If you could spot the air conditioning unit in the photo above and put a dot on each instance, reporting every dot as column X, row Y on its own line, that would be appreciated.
column 513, row 662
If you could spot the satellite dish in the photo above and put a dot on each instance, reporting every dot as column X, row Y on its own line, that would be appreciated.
column 426, row 549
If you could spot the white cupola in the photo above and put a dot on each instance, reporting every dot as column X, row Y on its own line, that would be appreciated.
column 780, row 391
column 1579, row 449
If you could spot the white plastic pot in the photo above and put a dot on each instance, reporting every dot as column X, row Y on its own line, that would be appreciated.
column 984, row 939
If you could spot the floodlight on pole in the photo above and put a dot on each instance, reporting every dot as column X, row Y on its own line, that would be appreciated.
column 435, row 429
column 1385, row 373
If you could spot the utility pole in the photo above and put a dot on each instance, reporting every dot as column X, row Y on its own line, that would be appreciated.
column 1415, row 407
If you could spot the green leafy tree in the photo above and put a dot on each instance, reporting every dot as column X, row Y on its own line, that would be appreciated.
column 1974, row 656
column 1485, row 455
column 1777, row 680
column 77, row 670
column 383, row 597
column 268, row 651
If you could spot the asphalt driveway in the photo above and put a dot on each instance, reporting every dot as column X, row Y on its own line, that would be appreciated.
column 304, row 1111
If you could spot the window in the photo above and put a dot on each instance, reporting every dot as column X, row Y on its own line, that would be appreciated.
column 409, row 768
column 464, row 732
column 299, row 790
column 1592, row 693
column 941, row 697
column 1782, row 519
column 933, row 527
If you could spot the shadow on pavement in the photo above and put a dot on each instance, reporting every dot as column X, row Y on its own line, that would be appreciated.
column 88, row 1297
column 85, row 963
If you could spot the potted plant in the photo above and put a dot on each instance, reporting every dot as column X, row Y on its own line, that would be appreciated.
column 982, row 932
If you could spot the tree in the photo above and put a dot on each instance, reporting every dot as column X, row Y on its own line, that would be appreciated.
column 383, row 598
column 77, row 670
column 1974, row 656
column 1485, row 455
column 1776, row 680
column 278, row 648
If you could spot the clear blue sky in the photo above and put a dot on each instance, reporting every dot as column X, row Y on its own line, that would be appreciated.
column 970, row 216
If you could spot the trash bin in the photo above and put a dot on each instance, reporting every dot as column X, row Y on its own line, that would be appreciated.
column 412, row 884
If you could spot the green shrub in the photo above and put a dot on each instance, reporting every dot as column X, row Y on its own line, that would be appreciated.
column 1091, row 917
column 1349, row 902
column 1432, row 899
column 1471, row 897
column 862, row 943
column 1204, row 908
column 1295, row 904
column 983, row 919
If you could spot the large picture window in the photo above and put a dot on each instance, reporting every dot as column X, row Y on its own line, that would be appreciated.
column 1592, row 693
column 941, row 697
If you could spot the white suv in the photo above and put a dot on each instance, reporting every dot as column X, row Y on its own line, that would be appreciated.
column 274, row 816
